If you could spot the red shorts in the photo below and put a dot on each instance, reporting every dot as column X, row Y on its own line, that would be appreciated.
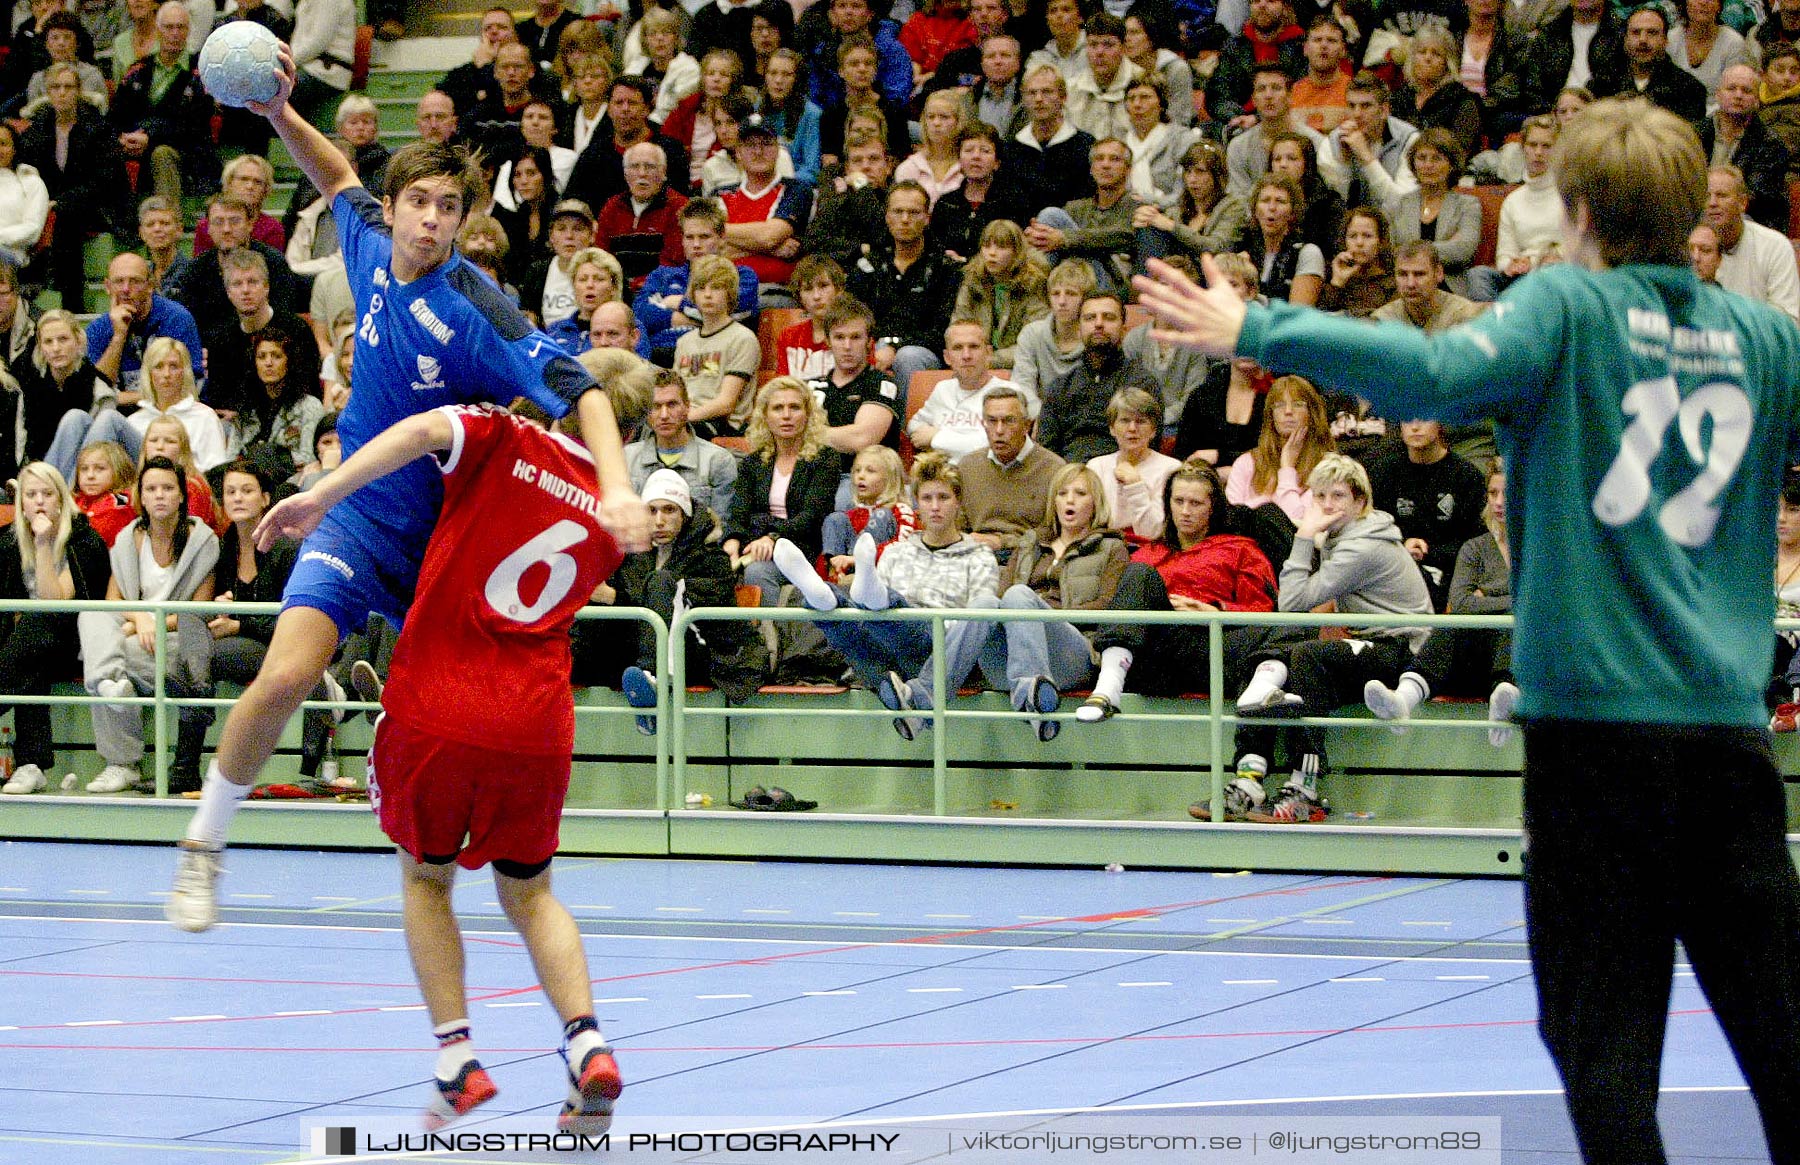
column 433, row 793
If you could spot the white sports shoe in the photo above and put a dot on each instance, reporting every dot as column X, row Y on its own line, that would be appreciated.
column 26, row 779
column 192, row 904
column 113, row 779
column 334, row 692
column 1502, row 701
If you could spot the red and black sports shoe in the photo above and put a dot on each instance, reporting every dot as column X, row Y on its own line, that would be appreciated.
column 457, row 1098
column 592, row 1090
column 1292, row 806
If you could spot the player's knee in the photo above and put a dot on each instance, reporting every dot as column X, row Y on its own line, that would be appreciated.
column 284, row 682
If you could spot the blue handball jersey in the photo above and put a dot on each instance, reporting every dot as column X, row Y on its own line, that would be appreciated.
column 1646, row 419
column 448, row 338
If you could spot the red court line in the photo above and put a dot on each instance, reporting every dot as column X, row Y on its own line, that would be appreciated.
column 848, row 1047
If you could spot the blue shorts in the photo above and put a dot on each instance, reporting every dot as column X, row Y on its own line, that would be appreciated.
column 349, row 575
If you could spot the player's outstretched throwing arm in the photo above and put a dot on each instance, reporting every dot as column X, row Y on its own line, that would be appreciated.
column 398, row 445
column 1485, row 368
column 311, row 150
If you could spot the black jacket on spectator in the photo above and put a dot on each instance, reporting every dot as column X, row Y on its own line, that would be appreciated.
column 1203, row 424
column 1503, row 107
column 231, row 378
column 467, row 84
column 1054, row 176
column 956, row 225
column 843, row 223
column 199, row 286
column 1764, row 161
column 89, row 193
column 1453, row 107
column 725, row 653
column 811, row 494
column 42, row 402
column 1671, row 86
column 1552, row 52
column 490, row 126
column 833, row 121
column 41, row 648
column 542, row 41
column 729, row 28
column 911, row 306
column 1228, row 89
column 273, row 566
column 1441, row 503
column 599, row 171
column 1072, row 423
column 182, row 119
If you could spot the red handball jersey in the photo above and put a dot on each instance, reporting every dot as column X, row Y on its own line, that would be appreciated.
column 518, row 549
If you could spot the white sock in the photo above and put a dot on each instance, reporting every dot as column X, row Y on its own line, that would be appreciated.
column 219, row 801
column 866, row 588
column 791, row 561
column 454, row 1048
column 1411, row 692
column 1114, row 663
column 1270, row 675
column 577, row 1046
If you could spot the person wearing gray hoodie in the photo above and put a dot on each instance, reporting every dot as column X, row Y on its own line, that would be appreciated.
column 1345, row 552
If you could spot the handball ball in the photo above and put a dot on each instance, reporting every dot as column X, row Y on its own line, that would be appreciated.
column 239, row 64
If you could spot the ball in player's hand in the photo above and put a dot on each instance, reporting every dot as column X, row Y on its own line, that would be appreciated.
column 240, row 63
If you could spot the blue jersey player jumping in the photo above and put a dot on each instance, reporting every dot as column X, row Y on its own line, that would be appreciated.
column 431, row 331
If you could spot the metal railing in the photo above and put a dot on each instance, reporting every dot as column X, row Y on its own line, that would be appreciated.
column 1219, row 713
column 161, row 702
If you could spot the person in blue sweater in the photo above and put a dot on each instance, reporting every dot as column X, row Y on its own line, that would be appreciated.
column 1646, row 419
column 663, row 305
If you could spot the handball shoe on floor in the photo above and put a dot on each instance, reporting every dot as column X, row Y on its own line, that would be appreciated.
column 1292, row 806
column 193, row 903
column 457, row 1098
column 589, row 1109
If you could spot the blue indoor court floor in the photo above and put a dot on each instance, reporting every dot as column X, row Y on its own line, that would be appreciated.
column 738, row 992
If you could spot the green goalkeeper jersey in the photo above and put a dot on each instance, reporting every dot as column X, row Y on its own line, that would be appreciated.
column 1646, row 419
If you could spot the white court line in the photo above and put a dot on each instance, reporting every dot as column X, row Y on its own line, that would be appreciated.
column 8, row 1029
column 95, row 1023
column 724, row 997
column 681, row 909
column 589, row 906
column 408, row 1007
column 822, row 943
column 12, row 889
column 88, row 891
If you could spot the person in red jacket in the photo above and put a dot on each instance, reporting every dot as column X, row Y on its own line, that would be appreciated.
column 1196, row 566
column 642, row 227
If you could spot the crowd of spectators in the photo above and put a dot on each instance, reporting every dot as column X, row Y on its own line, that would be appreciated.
column 954, row 198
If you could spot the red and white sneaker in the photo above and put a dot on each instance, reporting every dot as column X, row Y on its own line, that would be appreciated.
column 457, row 1098
column 592, row 1090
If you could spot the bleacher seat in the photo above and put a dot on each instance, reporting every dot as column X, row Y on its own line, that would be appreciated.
column 769, row 327
column 1491, row 197
column 917, row 393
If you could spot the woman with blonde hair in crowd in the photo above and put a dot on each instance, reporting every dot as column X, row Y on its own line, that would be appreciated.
column 786, row 484
column 1434, row 95
column 940, row 566
column 936, row 165
column 170, row 391
column 48, row 552
column 1072, row 562
column 596, row 278
column 659, row 57
column 59, row 396
column 1296, row 435
column 1004, row 287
